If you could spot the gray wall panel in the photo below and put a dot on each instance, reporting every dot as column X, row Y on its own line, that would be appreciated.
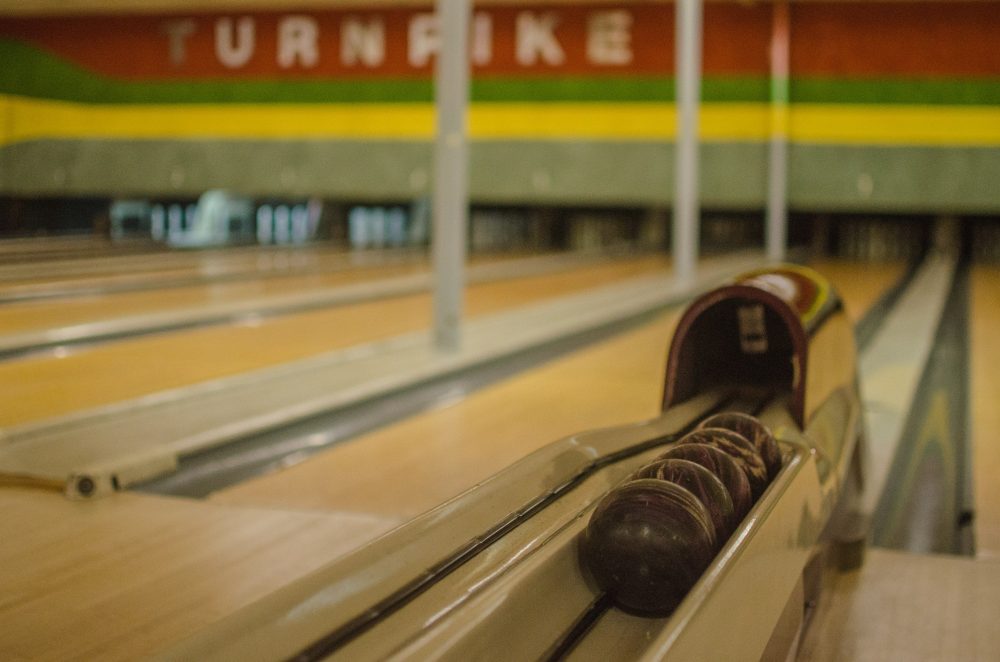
column 733, row 175
column 903, row 179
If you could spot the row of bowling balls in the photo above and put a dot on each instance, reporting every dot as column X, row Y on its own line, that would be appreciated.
column 650, row 538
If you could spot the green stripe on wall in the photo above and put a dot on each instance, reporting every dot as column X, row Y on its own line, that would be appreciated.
column 27, row 71
column 637, row 88
column 948, row 92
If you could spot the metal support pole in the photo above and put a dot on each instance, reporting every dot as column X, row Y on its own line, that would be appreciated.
column 449, row 202
column 685, row 226
column 777, row 176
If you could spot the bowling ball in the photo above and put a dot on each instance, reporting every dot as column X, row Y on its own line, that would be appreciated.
column 754, row 431
column 737, row 447
column 703, row 484
column 725, row 469
column 647, row 543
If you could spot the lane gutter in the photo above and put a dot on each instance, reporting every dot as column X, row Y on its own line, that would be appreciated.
column 927, row 504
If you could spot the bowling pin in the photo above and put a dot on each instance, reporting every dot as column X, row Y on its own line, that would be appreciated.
column 265, row 220
column 157, row 223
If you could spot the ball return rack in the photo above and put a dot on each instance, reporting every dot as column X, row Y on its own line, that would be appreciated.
column 495, row 572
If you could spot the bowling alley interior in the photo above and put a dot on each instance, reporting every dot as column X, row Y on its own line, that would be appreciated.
column 499, row 330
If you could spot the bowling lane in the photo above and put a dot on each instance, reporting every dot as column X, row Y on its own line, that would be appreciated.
column 404, row 469
column 985, row 414
column 20, row 249
column 324, row 269
column 123, row 577
column 262, row 286
column 117, row 271
column 35, row 388
column 51, row 313
column 860, row 283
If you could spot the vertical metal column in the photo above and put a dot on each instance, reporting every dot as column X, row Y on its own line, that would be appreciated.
column 449, row 201
column 777, row 175
column 686, row 222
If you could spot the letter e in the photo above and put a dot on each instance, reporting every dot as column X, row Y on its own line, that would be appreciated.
column 609, row 37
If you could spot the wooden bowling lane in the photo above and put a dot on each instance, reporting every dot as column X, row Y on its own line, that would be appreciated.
column 985, row 411
column 860, row 283
column 404, row 469
column 44, row 265
column 53, row 313
column 117, row 271
column 261, row 287
column 36, row 388
column 62, row 247
column 122, row 577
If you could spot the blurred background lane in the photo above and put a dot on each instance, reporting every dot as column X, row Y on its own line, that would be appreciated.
column 47, row 386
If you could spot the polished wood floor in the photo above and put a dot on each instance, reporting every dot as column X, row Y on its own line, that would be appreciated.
column 113, row 265
column 119, row 578
column 56, row 312
column 985, row 408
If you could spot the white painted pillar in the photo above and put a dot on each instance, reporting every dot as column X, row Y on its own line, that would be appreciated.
column 777, row 175
column 450, row 199
column 688, row 98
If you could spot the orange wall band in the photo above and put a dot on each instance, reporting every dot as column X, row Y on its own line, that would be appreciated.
column 395, row 42
column 870, row 39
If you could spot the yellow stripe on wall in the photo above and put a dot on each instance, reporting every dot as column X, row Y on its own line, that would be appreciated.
column 613, row 121
column 35, row 119
column 895, row 125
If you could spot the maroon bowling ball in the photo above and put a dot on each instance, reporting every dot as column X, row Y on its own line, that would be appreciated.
column 737, row 447
column 703, row 484
column 647, row 543
column 725, row 469
column 754, row 431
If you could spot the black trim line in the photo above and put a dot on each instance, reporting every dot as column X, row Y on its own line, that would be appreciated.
column 566, row 643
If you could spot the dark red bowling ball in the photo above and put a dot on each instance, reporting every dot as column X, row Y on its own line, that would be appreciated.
column 737, row 447
column 703, row 484
column 725, row 469
column 754, row 431
column 647, row 543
